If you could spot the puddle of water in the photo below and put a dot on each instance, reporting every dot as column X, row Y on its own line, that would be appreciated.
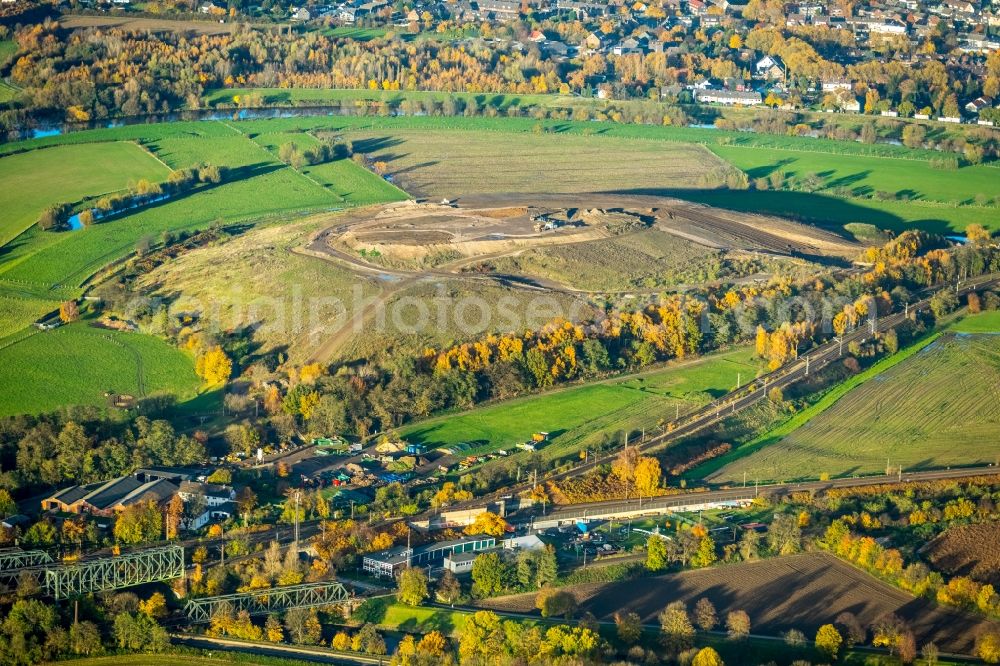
column 74, row 220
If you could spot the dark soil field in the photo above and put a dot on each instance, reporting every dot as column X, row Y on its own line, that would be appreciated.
column 969, row 550
column 801, row 592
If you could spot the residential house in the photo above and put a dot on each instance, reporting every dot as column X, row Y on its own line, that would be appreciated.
column 594, row 41
column 499, row 9
column 697, row 8
column 729, row 97
column 978, row 104
column 770, row 68
column 832, row 85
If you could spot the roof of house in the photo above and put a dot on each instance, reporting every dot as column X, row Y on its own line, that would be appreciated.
column 465, row 557
column 159, row 490
column 206, row 489
column 123, row 491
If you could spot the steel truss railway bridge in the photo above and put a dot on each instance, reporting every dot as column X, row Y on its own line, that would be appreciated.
column 62, row 580
column 262, row 602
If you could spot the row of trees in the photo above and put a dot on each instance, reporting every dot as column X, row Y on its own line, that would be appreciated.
column 48, row 451
column 84, row 82
column 55, row 217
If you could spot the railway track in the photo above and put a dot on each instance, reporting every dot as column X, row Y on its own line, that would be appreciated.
column 744, row 396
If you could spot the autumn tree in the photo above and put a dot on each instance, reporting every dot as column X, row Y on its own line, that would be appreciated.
column 69, row 311
column 175, row 513
column 489, row 575
column 737, row 625
column 487, row 523
column 888, row 631
column 273, row 629
column 554, row 602
column 707, row 656
column 628, row 627
column 482, row 639
column 449, row 590
column 988, row 646
column 412, row 586
column 828, row 640
column 139, row 523
column 214, row 366
column 155, row 607
column 656, row 553
column 704, row 615
column 676, row 630
column 647, row 475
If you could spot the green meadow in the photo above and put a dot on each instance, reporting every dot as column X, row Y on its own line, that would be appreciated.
column 578, row 417
column 67, row 174
column 77, row 364
column 39, row 269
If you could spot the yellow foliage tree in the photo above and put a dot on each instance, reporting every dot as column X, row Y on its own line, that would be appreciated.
column 214, row 366
column 647, row 475
column 487, row 523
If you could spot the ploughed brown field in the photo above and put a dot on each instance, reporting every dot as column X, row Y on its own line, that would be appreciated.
column 969, row 550
column 797, row 592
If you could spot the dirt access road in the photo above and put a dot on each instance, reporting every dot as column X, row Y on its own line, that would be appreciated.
column 488, row 214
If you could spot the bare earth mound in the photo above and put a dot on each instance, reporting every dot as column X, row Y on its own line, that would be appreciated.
column 969, row 550
column 801, row 592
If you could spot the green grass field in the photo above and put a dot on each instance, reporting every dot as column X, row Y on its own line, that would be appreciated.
column 76, row 364
column 928, row 406
column 487, row 162
column 14, row 310
column 65, row 260
column 866, row 175
column 67, row 174
column 984, row 322
column 448, row 163
column 579, row 417
column 355, row 33
column 8, row 48
column 349, row 183
column 7, row 92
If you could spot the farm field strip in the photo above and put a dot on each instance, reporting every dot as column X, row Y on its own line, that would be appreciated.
column 449, row 164
column 799, row 591
column 937, row 407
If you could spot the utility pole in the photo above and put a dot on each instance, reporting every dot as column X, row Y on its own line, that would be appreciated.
column 297, row 494
column 744, row 478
